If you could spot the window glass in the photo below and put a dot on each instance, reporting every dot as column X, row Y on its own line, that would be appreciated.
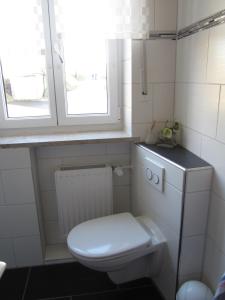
column 85, row 61
column 22, row 52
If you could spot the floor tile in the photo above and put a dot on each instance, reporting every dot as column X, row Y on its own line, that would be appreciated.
column 136, row 283
column 64, row 280
column 143, row 293
column 12, row 284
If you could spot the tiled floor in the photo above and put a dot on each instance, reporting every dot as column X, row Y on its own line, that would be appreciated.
column 70, row 281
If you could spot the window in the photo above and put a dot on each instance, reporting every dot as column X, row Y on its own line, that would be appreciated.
column 53, row 73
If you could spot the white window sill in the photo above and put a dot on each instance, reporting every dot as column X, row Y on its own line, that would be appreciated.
column 66, row 139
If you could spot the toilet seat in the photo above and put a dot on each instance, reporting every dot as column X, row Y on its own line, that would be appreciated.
column 108, row 238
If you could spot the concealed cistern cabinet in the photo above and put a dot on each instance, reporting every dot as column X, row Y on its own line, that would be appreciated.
column 172, row 186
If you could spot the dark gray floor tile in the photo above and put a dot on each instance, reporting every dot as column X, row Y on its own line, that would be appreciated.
column 64, row 280
column 141, row 293
column 12, row 284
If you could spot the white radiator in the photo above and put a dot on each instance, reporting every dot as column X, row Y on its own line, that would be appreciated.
column 83, row 194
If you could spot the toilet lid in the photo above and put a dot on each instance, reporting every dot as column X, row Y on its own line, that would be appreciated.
column 108, row 236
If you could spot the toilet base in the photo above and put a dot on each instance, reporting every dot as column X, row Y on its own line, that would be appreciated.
column 146, row 266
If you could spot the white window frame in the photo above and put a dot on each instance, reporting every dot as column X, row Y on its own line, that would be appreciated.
column 56, row 85
column 113, row 90
column 35, row 121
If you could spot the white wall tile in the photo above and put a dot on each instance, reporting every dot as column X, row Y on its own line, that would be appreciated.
column 18, row 220
column 127, row 71
column 221, row 118
column 201, row 107
column 2, row 200
column 137, row 95
column 216, row 230
column 191, row 140
column 163, row 102
column 192, row 11
column 14, row 158
column 165, row 15
column 118, row 148
column 161, row 57
column 214, row 264
column 18, row 186
column 28, row 251
column 59, row 151
column 52, row 232
column 142, row 112
column 192, row 58
column 93, row 149
column 195, row 213
column 49, row 204
column 140, row 130
column 216, row 55
column 180, row 102
column 46, row 170
column 7, row 252
column 127, row 95
column 121, row 199
column 192, row 255
column 213, row 152
column 199, row 180
column 122, row 180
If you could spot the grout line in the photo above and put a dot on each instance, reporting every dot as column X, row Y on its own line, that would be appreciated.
column 26, row 284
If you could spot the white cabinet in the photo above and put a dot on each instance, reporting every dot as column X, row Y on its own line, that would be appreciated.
column 180, row 209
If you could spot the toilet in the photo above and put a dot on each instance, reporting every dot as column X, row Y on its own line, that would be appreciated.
column 125, row 247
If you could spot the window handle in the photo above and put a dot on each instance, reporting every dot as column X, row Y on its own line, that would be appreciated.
column 57, row 52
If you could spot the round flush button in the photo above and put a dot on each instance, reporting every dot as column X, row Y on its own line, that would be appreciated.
column 149, row 174
column 156, row 179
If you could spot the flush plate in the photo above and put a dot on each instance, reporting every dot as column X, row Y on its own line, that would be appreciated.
column 154, row 173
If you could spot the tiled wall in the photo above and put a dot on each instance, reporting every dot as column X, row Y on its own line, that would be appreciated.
column 158, row 105
column 200, row 106
column 51, row 158
column 20, row 243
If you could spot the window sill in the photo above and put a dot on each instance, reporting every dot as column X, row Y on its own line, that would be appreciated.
column 66, row 139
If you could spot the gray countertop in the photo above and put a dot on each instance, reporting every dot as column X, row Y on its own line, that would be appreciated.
column 178, row 155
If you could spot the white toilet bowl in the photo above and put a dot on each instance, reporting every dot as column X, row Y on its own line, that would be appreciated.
column 125, row 247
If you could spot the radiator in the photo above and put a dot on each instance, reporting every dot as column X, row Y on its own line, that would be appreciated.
column 83, row 194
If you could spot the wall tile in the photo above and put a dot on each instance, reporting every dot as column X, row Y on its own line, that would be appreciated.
column 214, row 264
column 221, row 118
column 14, row 158
column 49, row 204
column 7, row 252
column 137, row 95
column 181, row 94
column 28, row 251
column 199, row 180
column 18, row 220
column 200, row 104
column 121, row 199
column 191, row 140
column 213, row 152
column 59, row 151
column 142, row 112
column 216, row 55
column 161, row 57
column 118, row 148
column 93, row 149
column 163, row 102
column 2, row 200
column 18, row 186
column 165, row 15
column 195, row 213
column 192, row 58
column 216, row 230
column 46, row 170
column 52, row 232
column 192, row 255
column 192, row 11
